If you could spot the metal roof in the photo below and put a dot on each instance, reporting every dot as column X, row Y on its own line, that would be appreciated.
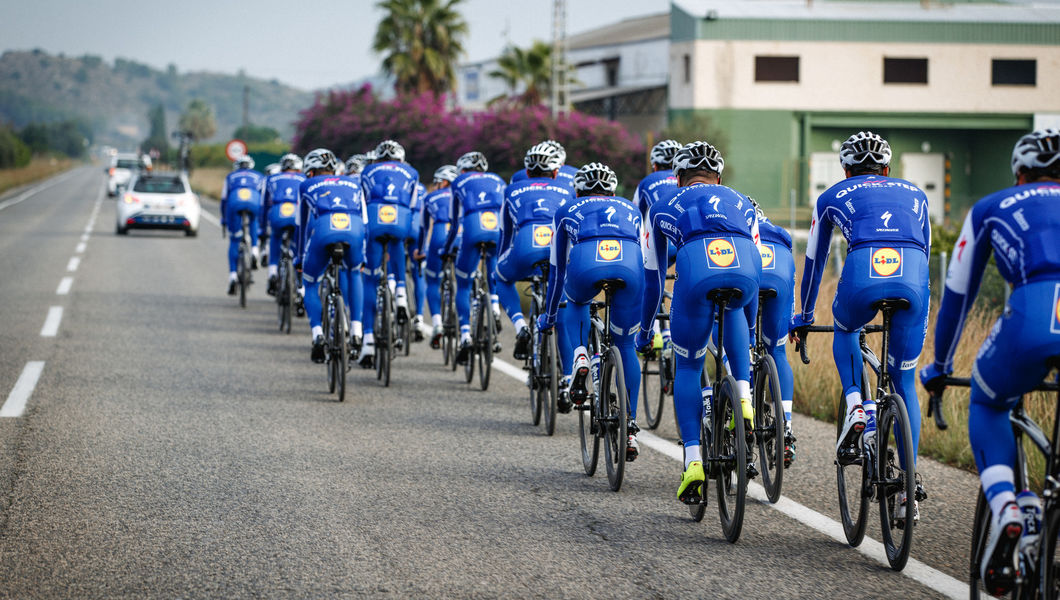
column 634, row 29
column 978, row 12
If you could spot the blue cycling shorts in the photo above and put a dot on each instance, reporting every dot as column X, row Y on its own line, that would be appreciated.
column 530, row 245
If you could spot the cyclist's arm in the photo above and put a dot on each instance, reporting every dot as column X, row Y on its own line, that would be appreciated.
column 927, row 226
column 817, row 248
column 507, row 227
column 654, row 249
column 266, row 204
column 639, row 202
column 454, row 222
column 224, row 200
column 557, row 270
column 302, row 225
column 425, row 223
column 965, row 273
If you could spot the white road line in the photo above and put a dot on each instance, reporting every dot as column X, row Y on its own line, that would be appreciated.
column 914, row 569
column 16, row 400
column 84, row 237
column 75, row 262
column 51, row 322
column 80, row 248
column 64, row 286
column 40, row 188
column 210, row 218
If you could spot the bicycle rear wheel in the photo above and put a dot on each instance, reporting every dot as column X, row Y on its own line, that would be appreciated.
column 698, row 510
column 769, row 426
column 730, row 454
column 341, row 348
column 588, row 415
column 615, row 417
column 895, row 447
column 1048, row 561
column 469, row 366
column 487, row 333
column 382, row 335
column 538, row 368
column 243, row 274
column 652, row 406
column 550, row 389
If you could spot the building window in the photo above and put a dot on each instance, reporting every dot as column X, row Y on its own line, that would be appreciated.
column 1014, row 72
column 611, row 72
column 688, row 68
column 905, row 70
column 471, row 90
column 777, row 68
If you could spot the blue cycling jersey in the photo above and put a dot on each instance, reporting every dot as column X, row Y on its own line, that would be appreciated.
column 327, row 194
column 235, row 182
column 868, row 210
column 390, row 183
column 564, row 177
column 657, row 186
column 533, row 200
column 773, row 233
column 473, row 192
column 280, row 188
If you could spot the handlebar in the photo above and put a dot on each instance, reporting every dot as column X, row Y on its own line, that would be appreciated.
column 935, row 398
column 801, row 344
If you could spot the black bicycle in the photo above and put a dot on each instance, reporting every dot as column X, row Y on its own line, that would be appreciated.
column 874, row 471
column 653, row 406
column 287, row 288
column 385, row 327
column 450, row 321
column 1039, row 564
column 543, row 363
column 335, row 321
column 244, row 258
column 606, row 415
column 723, row 437
column 483, row 327
column 769, row 409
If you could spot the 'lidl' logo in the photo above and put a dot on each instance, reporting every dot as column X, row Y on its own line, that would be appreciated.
column 243, row 193
column 886, row 261
column 542, row 235
column 768, row 256
column 340, row 221
column 387, row 213
column 1058, row 311
column 608, row 250
column 721, row 252
column 287, row 209
column 488, row 219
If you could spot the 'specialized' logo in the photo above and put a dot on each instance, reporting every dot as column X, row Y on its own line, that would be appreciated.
column 886, row 261
column 608, row 250
column 721, row 253
column 488, row 219
column 340, row 221
column 542, row 235
column 287, row 209
column 387, row 213
column 768, row 256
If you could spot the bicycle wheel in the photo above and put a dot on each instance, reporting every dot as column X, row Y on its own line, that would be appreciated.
column 653, row 407
column 469, row 366
column 698, row 510
column 551, row 370
column 614, row 402
column 730, row 454
column 852, row 478
column 769, row 426
column 289, row 297
column 487, row 334
column 538, row 367
column 1048, row 561
column 382, row 334
column 895, row 447
column 340, row 344
column 588, row 414
column 327, row 315
column 980, row 535
column 242, row 274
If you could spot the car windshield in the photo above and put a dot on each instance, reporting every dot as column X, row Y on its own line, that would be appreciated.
column 159, row 185
column 128, row 164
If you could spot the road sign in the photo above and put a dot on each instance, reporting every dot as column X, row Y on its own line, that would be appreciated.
column 235, row 149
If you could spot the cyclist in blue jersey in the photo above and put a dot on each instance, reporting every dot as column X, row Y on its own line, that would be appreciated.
column 419, row 282
column 355, row 165
column 389, row 186
column 596, row 239
column 477, row 200
column 332, row 211
column 526, row 232
column 778, row 274
column 660, row 184
column 241, row 192
column 885, row 223
column 566, row 173
column 279, row 208
column 430, row 246
column 1020, row 225
column 715, row 231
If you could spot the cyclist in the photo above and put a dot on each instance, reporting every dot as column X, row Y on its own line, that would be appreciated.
column 419, row 284
column 566, row 173
column 332, row 211
column 716, row 236
column 526, row 233
column 477, row 200
column 778, row 274
column 885, row 223
column 355, row 165
column 660, row 184
column 389, row 186
column 430, row 246
column 597, row 239
column 279, row 205
column 1020, row 226
column 241, row 192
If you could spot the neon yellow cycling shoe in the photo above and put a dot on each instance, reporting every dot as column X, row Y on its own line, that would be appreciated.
column 748, row 409
column 691, row 490
column 657, row 343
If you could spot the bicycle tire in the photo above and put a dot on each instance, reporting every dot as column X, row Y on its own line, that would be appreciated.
column 552, row 369
column 653, row 408
column 289, row 298
column 588, row 429
column 852, row 478
column 488, row 331
column 894, row 421
column 769, row 426
column 615, row 404
column 697, row 511
column 980, row 535
column 730, row 451
column 469, row 366
column 242, row 275
column 342, row 346
column 537, row 367
column 384, row 335
column 1048, row 561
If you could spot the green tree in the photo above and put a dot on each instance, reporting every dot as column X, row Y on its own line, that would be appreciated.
column 198, row 120
column 529, row 70
column 421, row 40
column 156, row 139
column 13, row 153
column 254, row 134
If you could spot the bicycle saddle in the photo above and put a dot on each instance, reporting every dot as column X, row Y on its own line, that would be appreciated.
column 891, row 304
column 724, row 295
column 767, row 294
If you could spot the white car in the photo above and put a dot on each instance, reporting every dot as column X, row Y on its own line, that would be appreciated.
column 122, row 168
column 159, row 201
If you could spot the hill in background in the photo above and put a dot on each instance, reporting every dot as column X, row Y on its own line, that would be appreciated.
column 114, row 98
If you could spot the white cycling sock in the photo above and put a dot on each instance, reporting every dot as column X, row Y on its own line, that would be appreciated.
column 787, row 411
column 692, row 454
column 465, row 337
column 232, row 276
column 436, row 320
column 274, row 270
column 318, row 330
column 520, row 323
column 999, row 501
column 743, row 389
column 853, row 399
column 369, row 339
column 356, row 328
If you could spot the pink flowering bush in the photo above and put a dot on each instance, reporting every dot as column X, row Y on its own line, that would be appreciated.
column 354, row 121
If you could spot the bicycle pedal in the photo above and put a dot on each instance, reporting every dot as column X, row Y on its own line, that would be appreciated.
column 752, row 470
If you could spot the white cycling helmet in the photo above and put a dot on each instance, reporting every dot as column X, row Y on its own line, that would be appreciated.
column 243, row 162
column 865, row 148
column 1039, row 149
column 543, row 157
column 290, row 162
column 320, row 159
column 698, row 155
column 663, row 153
column 272, row 169
column 560, row 149
column 446, row 173
column 340, row 167
column 472, row 161
column 356, row 163
column 596, row 177
column 390, row 150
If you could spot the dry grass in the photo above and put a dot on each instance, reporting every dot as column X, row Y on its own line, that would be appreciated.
column 39, row 168
column 208, row 181
column 817, row 391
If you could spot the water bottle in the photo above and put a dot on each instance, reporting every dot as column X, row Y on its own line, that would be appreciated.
column 1031, row 508
column 869, row 406
column 594, row 369
column 707, row 393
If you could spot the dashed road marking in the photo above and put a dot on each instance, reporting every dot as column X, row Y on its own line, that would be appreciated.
column 51, row 322
column 73, row 264
column 80, row 248
column 64, row 286
column 27, row 381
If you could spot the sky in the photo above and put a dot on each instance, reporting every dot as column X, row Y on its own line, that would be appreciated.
column 326, row 46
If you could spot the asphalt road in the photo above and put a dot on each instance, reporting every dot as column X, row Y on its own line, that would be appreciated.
column 176, row 445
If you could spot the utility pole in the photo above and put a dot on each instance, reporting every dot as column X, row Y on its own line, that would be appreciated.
column 560, row 95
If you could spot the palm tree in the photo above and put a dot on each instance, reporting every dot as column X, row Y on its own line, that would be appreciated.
column 421, row 41
column 530, row 69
